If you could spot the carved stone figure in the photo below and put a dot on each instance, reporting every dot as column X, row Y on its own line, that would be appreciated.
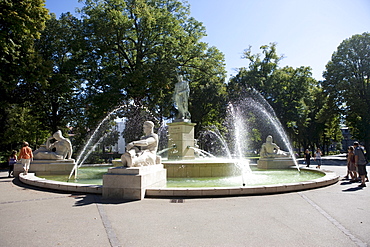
column 271, row 150
column 58, row 150
column 181, row 97
column 142, row 152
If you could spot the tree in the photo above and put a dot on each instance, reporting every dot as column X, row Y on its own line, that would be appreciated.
column 137, row 47
column 283, row 88
column 61, row 49
column 20, row 25
column 347, row 83
column 258, row 73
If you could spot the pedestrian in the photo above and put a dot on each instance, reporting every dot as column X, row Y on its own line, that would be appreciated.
column 351, row 164
column 318, row 155
column 11, row 161
column 307, row 157
column 26, row 157
column 360, row 162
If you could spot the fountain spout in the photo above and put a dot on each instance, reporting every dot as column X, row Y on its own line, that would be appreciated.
column 167, row 149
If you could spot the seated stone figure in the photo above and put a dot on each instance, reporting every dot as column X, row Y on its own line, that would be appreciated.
column 58, row 150
column 271, row 150
column 142, row 152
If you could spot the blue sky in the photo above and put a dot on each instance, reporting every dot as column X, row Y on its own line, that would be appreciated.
column 307, row 32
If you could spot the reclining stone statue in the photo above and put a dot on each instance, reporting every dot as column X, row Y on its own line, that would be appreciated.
column 271, row 150
column 58, row 150
column 142, row 152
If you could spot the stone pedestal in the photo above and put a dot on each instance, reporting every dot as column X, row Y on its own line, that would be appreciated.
column 275, row 163
column 131, row 182
column 47, row 167
column 181, row 134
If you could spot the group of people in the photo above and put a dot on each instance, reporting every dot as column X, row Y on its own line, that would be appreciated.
column 356, row 164
column 317, row 157
column 25, row 155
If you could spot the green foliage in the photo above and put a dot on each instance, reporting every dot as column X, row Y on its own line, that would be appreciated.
column 294, row 95
column 23, row 125
column 347, row 83
column 138, row 48
column 60, row 47
column 20, row 24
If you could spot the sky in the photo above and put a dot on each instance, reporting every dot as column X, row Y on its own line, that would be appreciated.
column 307, row 32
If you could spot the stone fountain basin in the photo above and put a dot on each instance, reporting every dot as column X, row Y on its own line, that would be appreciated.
column 329, row 178
column 195, row 168
column 201, row 167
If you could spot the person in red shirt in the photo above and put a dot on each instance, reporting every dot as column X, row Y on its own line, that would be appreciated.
column 26, row 157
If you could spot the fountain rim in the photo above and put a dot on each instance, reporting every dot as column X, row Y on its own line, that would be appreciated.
column 329, row 178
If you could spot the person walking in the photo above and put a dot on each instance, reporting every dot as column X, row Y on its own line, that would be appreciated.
column 11, row 161
column 360, row 162
column 307, row 157
column 26, row 157
column 351, row 164
column 318, row 155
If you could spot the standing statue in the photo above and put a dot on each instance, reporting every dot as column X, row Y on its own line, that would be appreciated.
column 144, row 151
column 181, row 97
column 58, row 150
column 271, row 150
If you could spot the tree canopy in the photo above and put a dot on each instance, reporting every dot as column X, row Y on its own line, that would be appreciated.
column 293, row 94
column 21, row 23
column 347, row 83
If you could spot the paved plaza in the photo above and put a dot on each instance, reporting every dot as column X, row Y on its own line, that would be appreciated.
column 336, row 215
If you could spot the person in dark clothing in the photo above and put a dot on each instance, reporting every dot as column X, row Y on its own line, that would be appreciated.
column 307, row 157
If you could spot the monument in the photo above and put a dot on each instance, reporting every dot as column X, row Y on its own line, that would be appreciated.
column 53, row 157
column 181, row 130
column 59, row 150
column 272, row 157
column 141, row 169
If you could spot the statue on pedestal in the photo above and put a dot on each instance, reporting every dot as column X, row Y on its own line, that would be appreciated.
column 271, row 150
column 142, row 152
column 58, row 150
column 181, row 97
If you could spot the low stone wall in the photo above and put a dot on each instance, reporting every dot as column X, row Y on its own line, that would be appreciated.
column 31, row 179
column 329, row 178
column 161, row 191
column 47, row 167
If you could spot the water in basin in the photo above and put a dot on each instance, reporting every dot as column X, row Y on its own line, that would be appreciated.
column 94, row 175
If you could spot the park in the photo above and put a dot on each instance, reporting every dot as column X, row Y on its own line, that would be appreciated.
column 139, row 138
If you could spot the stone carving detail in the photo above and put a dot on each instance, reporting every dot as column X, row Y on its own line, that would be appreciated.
column 271, row 150
column 142, row 152
column 58, row 150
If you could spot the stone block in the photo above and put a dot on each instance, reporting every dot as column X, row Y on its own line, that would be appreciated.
column 46, row 167
column 132, row 182
column 278, row 163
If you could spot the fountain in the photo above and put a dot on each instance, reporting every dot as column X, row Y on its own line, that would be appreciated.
column 187, row 162
column 51, row 157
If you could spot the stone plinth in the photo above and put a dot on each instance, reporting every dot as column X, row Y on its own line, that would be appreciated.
column 181, row 134
column 200, row 168
column 131, row 182
column 275, row 163
column 47, row 167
